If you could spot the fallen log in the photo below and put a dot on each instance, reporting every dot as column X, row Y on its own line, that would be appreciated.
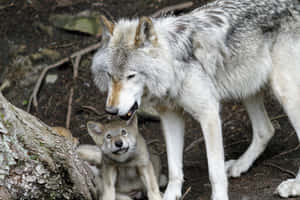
column 36, row 162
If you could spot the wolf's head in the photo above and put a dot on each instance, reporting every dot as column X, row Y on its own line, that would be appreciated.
column 117, row 139
column 129, row 63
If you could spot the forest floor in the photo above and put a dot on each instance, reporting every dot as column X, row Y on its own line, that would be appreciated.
column 23, row 37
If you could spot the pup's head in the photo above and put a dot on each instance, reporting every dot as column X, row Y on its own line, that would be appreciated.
column 117, row 139
column 128, row 63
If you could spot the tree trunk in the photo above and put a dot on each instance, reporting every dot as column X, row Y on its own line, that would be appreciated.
column 37, row 163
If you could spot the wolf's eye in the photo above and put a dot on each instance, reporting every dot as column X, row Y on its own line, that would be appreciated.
column 108, row 74
column 108, row 136
column 123, row 132
column 130, row 76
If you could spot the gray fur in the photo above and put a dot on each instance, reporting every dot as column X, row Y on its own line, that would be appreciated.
column 212, row 38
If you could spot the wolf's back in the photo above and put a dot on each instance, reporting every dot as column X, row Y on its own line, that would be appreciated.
column 247, row 14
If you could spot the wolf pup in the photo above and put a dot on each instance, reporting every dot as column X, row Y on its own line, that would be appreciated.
column 124, row 155
column 226, row 49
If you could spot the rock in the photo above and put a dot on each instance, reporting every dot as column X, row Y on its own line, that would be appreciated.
column 86, row 24
column 51, row 78
column 36, row 56
column 52, row 54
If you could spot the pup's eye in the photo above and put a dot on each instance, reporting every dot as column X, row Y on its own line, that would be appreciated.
column 130, row 76
column 124, row 133
column 108, row 136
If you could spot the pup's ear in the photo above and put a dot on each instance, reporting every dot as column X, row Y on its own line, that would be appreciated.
column 95, row 130
column 108, row 29
column 145, row 33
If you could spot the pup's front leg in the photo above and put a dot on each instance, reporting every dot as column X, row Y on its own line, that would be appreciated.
column 109, row 174
column 150, row 181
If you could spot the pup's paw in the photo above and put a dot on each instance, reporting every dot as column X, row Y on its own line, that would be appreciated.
column 235, row 168
column 173, row 191
column 289, row 188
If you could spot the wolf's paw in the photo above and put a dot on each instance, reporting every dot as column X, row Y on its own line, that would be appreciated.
column 289, row 188
column 234, row 168
column 173, row 191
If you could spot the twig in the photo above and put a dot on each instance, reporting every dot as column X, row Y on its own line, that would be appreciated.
column 278, row 117
column 180, row 6
column 76, row 66
column 186, row 193
column 68, row 119
column 70, row 102
column 235, row 143
column 288, row 137
column 188, row 163
column 4, row 85
column 7, row 6
column 287, row 152
column 33, row 97
column 94, row 110
column 153, row 141
column 281, row 169
column 188, row 148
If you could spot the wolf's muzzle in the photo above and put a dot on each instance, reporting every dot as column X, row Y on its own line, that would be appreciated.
column 111, row 110
column 131, row 112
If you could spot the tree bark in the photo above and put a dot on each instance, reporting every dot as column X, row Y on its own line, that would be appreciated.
column 36, row 162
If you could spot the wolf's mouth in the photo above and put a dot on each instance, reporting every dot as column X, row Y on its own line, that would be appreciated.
column 121, row 151
column 131, row 112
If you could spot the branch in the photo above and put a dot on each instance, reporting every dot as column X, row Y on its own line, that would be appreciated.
column 33, row 97
column 188, row 148
column 289, row 172
column 173, row 8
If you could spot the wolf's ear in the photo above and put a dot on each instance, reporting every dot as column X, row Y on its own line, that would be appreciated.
column 108, row 25
column 108, row 29
column 145, row 33
column 95, row 130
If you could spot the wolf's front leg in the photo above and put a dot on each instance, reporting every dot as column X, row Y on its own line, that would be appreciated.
column 150, row 181
column 173, row 129
column 211, row 127
column 109, row 174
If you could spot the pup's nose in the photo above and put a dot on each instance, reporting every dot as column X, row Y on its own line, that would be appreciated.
column 119, row 143
column 111, row 110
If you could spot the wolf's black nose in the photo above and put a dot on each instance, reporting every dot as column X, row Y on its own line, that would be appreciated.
column 111, row 110
column 119, row 143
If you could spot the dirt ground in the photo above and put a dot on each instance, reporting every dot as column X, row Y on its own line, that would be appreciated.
column 21, row 36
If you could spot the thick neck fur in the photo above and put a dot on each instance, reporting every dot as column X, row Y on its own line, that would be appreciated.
column 197, row 38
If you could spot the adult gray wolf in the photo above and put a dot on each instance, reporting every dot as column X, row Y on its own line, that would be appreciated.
column 226, row 49
column 126, row 167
